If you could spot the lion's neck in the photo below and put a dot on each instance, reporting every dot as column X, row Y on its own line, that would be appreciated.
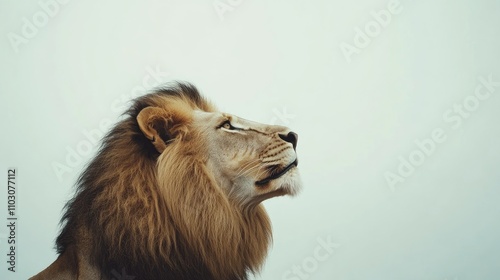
column 229, row 240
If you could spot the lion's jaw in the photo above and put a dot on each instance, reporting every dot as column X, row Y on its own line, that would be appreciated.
column 251, row 161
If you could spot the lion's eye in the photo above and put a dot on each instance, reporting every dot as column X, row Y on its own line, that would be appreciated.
column 227, row 125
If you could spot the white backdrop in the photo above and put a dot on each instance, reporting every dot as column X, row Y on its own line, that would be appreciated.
column 396, row 104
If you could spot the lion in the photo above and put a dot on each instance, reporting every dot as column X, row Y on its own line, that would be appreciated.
column 175, row 192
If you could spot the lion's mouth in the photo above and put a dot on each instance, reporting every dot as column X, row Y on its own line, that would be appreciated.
column 277, row 175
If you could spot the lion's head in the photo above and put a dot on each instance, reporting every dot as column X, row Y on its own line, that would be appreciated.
column 248, row 161
column 175, row 191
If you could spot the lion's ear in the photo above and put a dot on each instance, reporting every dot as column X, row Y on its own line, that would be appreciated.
column 154, row 123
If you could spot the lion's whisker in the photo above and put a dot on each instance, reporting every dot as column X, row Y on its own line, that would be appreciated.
column 247, row 167
column 261, row 171
column 248, row 163
column 247, row 171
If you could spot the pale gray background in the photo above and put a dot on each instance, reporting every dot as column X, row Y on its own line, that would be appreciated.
column 260, row 60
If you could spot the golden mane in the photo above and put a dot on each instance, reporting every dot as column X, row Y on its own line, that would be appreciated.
column 161, row 216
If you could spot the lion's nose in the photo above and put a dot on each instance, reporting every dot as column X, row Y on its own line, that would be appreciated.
column 291, row 137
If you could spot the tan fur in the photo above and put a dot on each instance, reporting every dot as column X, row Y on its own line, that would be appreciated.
column 167, row 210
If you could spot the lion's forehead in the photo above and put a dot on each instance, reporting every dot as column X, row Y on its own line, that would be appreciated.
column 242, row 123
column 215, row 118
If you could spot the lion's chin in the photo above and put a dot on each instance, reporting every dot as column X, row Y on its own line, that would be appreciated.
column 288, row 184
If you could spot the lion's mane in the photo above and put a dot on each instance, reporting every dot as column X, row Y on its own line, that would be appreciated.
column 161, row 216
